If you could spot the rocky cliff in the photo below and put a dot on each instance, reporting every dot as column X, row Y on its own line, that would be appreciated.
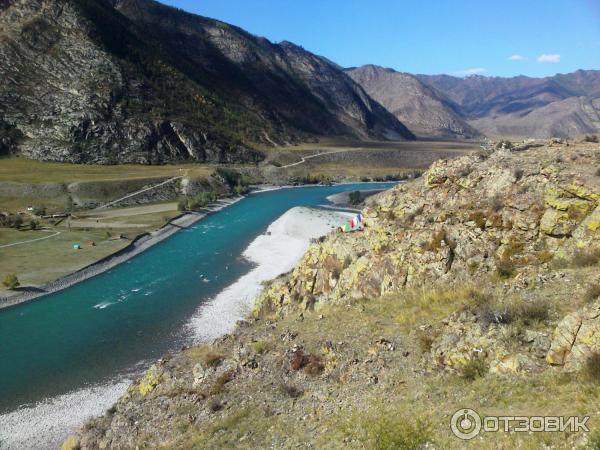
column 476, row 286
column 416, row 105
column 84, row 81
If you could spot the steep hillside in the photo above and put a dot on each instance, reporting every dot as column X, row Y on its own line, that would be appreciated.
column 518, row 105
column 476, row 286
column 417, row 106
column 571, row 117
column 87, row 82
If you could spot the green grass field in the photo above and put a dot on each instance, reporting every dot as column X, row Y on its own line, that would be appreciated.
column 42, row 261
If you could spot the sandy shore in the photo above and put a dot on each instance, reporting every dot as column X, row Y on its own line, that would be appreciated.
column 274, row 253
column 136, row 247
column 46, row 424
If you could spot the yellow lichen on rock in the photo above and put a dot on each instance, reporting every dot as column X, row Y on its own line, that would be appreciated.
column 149, row 382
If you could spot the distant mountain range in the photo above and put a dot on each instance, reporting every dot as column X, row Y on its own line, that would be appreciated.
column 114, row 81
column 424, row 110
column 443, row 106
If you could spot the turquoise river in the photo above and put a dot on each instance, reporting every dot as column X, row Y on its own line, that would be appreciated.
column 120, row 321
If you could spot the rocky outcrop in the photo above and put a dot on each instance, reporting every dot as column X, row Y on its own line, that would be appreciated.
column 84, row 82
column 576, row 337
column 468, row 217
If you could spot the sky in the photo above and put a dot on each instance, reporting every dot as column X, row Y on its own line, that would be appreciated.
column 457, row 37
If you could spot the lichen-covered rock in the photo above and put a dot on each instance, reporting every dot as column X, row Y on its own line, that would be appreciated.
column 575, row 338
column 468, row 217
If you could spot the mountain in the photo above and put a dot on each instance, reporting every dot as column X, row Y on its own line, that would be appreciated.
column 564, row 105
column 113, row 81
column 418, row 106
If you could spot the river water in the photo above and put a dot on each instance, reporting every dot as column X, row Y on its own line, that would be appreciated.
column 120, row 321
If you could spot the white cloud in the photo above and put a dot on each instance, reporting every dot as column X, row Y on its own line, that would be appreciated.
column 467, row 72
column 549, row 58
column 517, row 58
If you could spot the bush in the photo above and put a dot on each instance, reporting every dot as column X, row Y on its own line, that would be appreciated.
column 505, row 268
column 260, row 346
column 586, row 258
column 591, row 368
column 518, row 173
column 11, row 281
column 517, row 311
column 475, row 368
column 387, row 430
column 212, row 359
column 425, row 342
column 314, row 366
column 592, row 293
column 231, row 177
column 291, row 391
column 197, row 201
column 34, row 224
column 355, row 198
column 479, row 218
column 221, row 381
column 591, row 138
column 496, row 203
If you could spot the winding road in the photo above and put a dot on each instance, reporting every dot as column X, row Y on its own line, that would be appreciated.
column 304, row 158
column 32, row 240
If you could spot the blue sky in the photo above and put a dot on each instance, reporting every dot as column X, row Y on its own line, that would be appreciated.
column 458, row 37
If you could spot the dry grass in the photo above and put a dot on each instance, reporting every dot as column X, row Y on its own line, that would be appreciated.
column 29, row 171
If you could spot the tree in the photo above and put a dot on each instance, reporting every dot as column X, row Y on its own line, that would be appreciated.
column 355, row 198
column 34, row 224
column 11, row 281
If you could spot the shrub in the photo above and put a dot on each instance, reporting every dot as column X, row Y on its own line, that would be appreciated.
column 11, row 281
column 516, row 311
column 528, row 312
column 436, row 241
column 34, row 224
column 215, row 405
column 260, row 346
column 39, row 210
column 591, row 138
column 475, row 368
column 425, row 342
column 518, row 173
column 591, row 368
column 505, row 268
column 585, row 258
column 496, row 203
column 479, row 218
column 314, row 366
column 299, row 360
column 592, row 293
column 221, row 381
column 355, row 198
column 388, row 430
column 598, row 172
column 291, row 391
column 212, row 359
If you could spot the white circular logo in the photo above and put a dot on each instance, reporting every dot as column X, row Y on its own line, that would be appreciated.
column 465, row 424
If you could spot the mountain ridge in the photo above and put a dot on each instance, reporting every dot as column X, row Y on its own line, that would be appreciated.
column 87, row 83
column 419, row 106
